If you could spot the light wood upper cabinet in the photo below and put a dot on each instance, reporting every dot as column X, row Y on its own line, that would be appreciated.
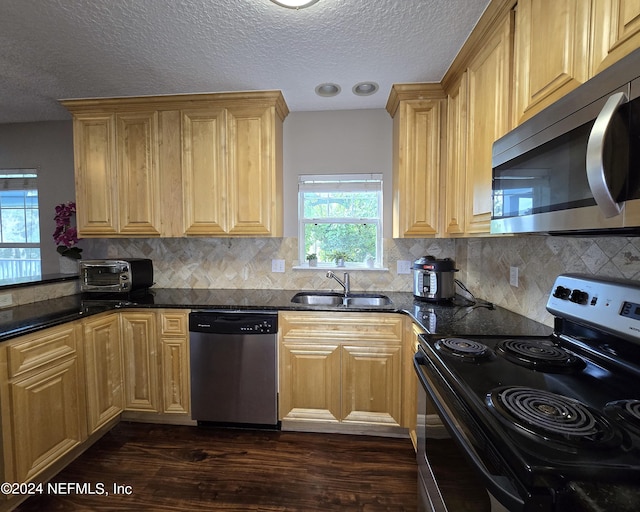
column 454, row 170
column 43, row 408
column 96, row 178
column 204, row 170
column 551, row 52
column 341, row 370
column 200, row 165
column 616, row 31
column 418, row 112
column 489, row 76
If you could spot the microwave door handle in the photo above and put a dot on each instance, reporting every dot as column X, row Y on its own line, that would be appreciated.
column 595, row 161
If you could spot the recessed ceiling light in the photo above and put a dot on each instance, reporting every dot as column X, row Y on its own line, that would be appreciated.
column 294, row 4
column 327, row 90
column 365, row 88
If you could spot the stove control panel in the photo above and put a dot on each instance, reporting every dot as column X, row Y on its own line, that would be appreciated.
column 610, row 304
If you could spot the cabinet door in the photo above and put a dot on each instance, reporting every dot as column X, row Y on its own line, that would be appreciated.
column 204, row 172
column 616, row 31
column 138, row 180
column 140, row 361
column 255, row 186
column 416, row 168
column 551, row 52
column 454, row 173
column 372, row 384
column 95, row 174
column 310, row 381
column 174, row 356
column 489, row 86
column 103, row 370
column 47, row 417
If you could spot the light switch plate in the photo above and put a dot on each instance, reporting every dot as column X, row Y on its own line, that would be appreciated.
column 513, row 276
column 403, row 267
column 277, row 266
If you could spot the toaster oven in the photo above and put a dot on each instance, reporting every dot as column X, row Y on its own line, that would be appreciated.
column 115, row 275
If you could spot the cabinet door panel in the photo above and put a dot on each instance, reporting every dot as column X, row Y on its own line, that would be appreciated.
column 371, row 384
column 46, row 417
column 103, row 370
column 138, row 173
column 175, row 376
column 454, row 173
column 489, row 78
column 552, row 48
column 252, row 190
column 95, row 177
column 140, row 361
column 204, row 171
column 616, row 31
column 310, row 382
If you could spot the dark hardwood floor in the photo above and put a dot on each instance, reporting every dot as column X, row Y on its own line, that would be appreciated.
column 194, row 469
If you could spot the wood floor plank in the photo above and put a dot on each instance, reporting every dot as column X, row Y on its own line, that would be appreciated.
column 173, row 468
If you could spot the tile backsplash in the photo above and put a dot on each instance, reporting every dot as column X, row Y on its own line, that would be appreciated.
column 484, row 264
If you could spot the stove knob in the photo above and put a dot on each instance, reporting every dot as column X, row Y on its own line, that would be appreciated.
column 579, row 297
column 562, row 293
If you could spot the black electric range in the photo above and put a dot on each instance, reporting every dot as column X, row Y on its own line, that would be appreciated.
column 548, row 420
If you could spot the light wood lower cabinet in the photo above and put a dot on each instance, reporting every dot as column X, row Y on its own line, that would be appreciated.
column 411, row 383
column 156, row 363
column 42, row 394
column 103, row 366
column 341, row 371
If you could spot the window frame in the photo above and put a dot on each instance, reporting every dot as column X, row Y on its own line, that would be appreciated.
column 359, row 182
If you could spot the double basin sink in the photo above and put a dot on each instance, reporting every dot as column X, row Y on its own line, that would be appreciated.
column 340, row 299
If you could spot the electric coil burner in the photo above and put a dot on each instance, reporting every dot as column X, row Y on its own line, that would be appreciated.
column 550, row 423
column 541, row 355
column 551, row 417
column 468, row 350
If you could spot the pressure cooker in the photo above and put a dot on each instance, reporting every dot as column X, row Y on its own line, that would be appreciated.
column 433, row 279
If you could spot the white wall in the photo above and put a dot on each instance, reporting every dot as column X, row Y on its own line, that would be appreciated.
column 47, row 147
column 334, row 142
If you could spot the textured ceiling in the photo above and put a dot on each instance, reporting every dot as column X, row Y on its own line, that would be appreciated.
column 54, row 49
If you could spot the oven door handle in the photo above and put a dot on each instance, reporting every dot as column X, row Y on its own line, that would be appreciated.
column 596, row 173
column 500, row 486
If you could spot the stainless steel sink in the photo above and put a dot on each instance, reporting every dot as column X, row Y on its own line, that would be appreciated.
column 338, row 299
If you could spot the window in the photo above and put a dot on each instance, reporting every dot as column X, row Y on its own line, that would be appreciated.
column 19, row 224
column 341, row 215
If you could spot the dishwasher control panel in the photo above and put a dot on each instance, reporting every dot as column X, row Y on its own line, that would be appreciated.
column 233, row 322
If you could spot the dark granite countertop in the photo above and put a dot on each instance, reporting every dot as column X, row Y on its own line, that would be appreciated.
column 460, row 317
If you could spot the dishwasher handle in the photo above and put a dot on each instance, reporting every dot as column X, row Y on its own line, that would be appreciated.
column 233, row 322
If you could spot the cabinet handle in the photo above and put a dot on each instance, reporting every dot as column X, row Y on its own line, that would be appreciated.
column 595, row 157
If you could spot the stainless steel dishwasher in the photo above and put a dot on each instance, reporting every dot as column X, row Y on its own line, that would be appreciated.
column 234, row 368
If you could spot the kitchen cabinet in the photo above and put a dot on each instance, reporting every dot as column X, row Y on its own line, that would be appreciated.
column 199, row 165
column 410, row 395
column 117, row 182
column 103, row 368
column 42, row 394
column 341, row 371
column 140, row 361
column 489, row 86
column 454, row 171
column 616, row 31
column 418, row 112
column 174, row 356
column 551, row 52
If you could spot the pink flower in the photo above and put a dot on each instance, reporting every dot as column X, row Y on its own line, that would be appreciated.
column 65, row 236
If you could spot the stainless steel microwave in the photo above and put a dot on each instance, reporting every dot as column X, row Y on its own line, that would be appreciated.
column 574, row 167
column 115, row 275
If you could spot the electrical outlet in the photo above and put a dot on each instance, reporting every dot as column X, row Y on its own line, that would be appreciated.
column 277, row 266
column 6, row 300
column 513, row 276
column 403, row 267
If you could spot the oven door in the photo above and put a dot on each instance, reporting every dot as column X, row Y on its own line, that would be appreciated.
column 452, row 474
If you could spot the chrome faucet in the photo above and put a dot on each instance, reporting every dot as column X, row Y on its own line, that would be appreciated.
column 345, row 284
